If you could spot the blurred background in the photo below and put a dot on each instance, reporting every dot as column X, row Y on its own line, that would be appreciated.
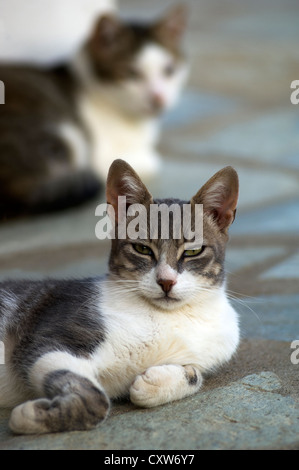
column 235, row 110
column 44, row 32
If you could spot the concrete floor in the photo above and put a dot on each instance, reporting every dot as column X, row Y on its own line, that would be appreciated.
column 236, row 110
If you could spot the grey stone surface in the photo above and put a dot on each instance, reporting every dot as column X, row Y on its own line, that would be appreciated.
column 270, row 317
column 270, row 137
column 249, row 413
column 199, row 106
column 289, row 268
column 238, row 258
column 277, row 219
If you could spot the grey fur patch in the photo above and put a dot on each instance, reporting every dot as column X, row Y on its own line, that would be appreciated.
column 72, row 403
column 37, row 169
column 51, row 315
column 191, row 376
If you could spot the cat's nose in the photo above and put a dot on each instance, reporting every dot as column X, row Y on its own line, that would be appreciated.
column 157, row 101
column 166, row 284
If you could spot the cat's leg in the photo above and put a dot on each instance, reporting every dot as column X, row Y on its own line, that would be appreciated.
column 12, row 390
column 72, row 399
column 162, row 384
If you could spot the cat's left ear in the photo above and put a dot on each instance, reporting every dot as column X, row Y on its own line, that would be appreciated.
column 122, row 180
column 106, row 31
column 172, row 26
column 219, row 197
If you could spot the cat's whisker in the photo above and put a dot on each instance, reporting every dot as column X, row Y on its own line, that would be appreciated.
column 242, row 302
column 243, row 295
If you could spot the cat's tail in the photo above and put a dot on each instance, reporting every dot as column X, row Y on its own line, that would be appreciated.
column 37, row 196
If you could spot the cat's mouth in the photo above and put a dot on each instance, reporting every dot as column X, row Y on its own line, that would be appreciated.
column 166, row 303
column 163, row 301
column 170, row 299
column 166, row 298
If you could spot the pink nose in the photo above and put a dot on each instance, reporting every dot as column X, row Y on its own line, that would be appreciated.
column 166, row 284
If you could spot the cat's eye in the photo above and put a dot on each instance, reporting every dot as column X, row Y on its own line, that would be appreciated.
column 134, row 74
column 143, row 250
column 195, row 252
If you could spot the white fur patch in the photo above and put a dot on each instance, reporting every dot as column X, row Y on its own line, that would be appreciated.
column 164, row 271
column 141, row 336
column 114, row 136
column 76, row 141
column 152, row 62
column 59, row 360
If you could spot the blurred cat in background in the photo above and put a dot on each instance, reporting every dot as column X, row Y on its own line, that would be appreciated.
column 61, row 127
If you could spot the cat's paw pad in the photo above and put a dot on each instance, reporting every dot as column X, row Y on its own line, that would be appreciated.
column 153, row 387
column 29, row 418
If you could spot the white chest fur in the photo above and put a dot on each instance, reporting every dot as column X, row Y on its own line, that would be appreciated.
column 139, row 336
column 115, row 136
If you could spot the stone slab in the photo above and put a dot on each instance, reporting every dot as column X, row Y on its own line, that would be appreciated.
column 273, row 317
column 246, row 414
column 279, row 219
column 269, row 137
column 288, row 269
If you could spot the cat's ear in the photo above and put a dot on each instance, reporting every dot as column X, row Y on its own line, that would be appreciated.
column 122, row 180
column 106, row 30
column 219, row 197
column 172, row 25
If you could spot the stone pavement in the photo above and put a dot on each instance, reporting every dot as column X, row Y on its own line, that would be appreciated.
column 236, row 111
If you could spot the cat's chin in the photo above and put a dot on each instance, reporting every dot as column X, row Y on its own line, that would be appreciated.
column 145, row 112
column 166, row 303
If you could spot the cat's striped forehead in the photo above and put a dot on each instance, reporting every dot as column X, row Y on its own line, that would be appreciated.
column 168, row 256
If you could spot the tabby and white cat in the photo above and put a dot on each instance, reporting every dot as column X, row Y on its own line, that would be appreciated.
column 149, row 329
column 61, row 128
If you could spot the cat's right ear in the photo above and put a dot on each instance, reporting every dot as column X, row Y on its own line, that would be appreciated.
column 106, row 30
column 219, row 197
column 171, row 27
column 122, row 180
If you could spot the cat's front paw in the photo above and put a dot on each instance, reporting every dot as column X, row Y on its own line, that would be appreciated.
column 154, row 387
column 70, row 412
column 29, row 417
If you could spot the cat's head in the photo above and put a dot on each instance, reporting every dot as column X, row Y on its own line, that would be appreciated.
column 170, row 273
column 139, row 66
